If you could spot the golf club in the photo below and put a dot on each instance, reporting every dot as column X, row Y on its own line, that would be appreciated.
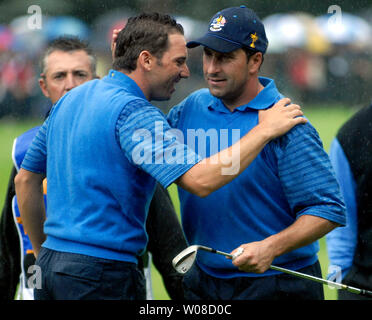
column 186, row 258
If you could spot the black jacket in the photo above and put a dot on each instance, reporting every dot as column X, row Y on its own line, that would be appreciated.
column 355, row 138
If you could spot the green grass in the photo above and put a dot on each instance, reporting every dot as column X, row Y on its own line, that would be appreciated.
column 326, row 120
column 9, row 130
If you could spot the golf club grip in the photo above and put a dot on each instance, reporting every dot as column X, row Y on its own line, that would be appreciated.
column 366, row 293
column 337, row 285
column 307, row 276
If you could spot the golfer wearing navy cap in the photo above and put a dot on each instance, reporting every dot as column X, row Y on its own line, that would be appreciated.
column 232, row 29
column 281, row 204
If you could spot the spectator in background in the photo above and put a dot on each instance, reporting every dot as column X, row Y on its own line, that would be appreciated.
column 67, row 63
column 350, row 247
column 16, row 84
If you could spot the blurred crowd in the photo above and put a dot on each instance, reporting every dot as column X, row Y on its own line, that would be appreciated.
column 315, row 60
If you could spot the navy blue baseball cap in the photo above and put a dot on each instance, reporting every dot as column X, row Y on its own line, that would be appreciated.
column 234, row 28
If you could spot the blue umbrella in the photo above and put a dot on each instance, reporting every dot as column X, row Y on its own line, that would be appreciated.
column 55, row 27
column 348, row 29
column 26, row 40
column 284, row 31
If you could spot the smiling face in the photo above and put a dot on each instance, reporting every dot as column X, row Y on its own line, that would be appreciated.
column 170, row 69
column 229, row 75
column 63, row 72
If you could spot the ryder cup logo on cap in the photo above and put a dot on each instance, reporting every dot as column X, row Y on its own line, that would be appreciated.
column 217, row 23
column 234, row 28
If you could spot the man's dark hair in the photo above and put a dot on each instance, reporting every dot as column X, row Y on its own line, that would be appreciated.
column 249, row 53
column 147, row 31
column 68, row 44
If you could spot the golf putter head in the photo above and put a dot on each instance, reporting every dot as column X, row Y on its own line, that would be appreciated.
column 183, row 261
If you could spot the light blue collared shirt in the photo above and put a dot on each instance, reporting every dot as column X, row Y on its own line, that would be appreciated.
column 342, row 242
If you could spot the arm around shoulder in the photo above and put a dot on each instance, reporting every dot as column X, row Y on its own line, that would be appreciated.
column 216, row 171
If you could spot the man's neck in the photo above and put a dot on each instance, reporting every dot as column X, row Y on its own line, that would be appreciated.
column 252, row 90
column 139, row 80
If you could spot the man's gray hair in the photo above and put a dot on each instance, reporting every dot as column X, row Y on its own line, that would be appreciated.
column 68, row 44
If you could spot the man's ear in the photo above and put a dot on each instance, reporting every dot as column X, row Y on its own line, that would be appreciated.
column 43, row 86
column 255, row 62
column 146, row 60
